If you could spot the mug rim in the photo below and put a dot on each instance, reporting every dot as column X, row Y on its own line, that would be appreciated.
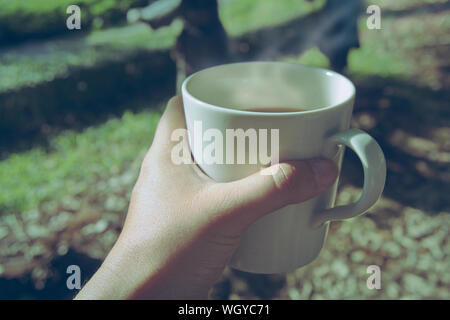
column 325, row 71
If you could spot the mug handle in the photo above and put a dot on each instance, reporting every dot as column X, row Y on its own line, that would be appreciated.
column 374, row 165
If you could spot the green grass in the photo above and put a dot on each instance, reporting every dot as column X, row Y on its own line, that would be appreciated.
column 31, row 19
column 240, row 16
column 402, row 4
column 405, row 47
column 378, row 54
column 27, row 19
column 79, row 164
column 32, row 64
column 311, row 57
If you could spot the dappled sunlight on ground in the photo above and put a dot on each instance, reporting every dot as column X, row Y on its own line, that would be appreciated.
column 410, row 247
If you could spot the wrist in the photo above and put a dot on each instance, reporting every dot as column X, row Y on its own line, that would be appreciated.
column 117, row 278
column 154, row 273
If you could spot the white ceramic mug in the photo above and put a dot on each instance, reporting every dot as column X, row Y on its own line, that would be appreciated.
column 294, row 235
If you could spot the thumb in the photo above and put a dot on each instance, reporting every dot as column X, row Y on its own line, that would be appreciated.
column 277, row 186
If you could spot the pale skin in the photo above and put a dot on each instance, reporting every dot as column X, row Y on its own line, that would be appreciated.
column 182, row 227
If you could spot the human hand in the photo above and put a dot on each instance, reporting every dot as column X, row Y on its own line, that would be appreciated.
column 182, row 227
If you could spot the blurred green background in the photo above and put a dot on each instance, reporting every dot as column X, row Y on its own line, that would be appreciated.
column 78, row 109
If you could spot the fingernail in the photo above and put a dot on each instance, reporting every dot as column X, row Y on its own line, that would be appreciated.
column 325, row 172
